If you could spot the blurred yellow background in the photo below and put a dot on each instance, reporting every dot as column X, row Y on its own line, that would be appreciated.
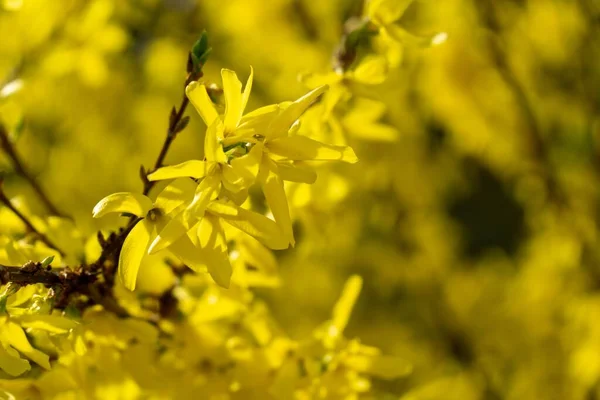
column 474, row 221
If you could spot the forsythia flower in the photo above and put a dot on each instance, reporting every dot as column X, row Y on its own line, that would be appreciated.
column 275, row 153
column 203, row 248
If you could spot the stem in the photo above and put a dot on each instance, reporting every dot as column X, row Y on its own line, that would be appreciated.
column 6, row 201
column 10, row 151
column 30, row 273
column 171, row 134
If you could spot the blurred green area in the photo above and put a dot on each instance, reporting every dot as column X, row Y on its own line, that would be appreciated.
column 476, row 231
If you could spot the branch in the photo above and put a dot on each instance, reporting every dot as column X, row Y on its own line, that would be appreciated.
column 11, row 152
column 6, row 201
column 176, row 124
column 29, row 274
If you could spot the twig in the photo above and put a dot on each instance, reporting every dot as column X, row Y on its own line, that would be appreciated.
column 11, row 152
column 175, row 119
column 6, row 201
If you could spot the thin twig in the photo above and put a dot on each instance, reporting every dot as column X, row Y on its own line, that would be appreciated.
column 175, row 118
column 9, row 149
column 6, row 201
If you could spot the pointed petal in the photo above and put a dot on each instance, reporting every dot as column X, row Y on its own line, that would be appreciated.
column 303, row 148
column 295, row 172
column 272, row 187
column 178, row 192
column 214, row 245
column 282, row 123
column 169, row 234
column 15, row 336
column 201, row 101
column 260, row 227
column 194, row 168
column 232, row 89
column 123, row 202
column 134, row 249
column 247, row 90
column 213, row 150
column 11, row 362
column 345, row 304
column 247, row 166
column 204, row 193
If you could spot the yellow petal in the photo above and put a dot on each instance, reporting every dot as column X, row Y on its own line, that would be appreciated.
column 204, row 194
column 301, row 148
column 15, row 336
column 272, row 187
column 189, row 254
column 384, row 12
column 134, row 249
column 294, row 172
column 231, row 180
column 123, row 202
column 232, row 90
column 283, row 122
column 214, row 247
column 11, row 362
column 213, row 150
column 178, row 192
column 201, row 101
column 247, row 90
column 386, row 367
column 171, row 232
column 260, row 118
column 372, row 70
column 49, row 323
column 247, row 166
column 345, row 304
column 260, row 227
column 194, row 168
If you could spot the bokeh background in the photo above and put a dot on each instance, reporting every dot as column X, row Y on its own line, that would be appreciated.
column 475, row 226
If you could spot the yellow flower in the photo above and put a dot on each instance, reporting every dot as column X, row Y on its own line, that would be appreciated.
column 385, row 14
column 280, row 155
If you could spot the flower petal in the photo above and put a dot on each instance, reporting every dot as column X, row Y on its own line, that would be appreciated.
column 171, row 232
column 247, row 166
column 201, row 101
column 232, row 90
column 213, row 150
column 204, row 193
column 295, row 172
column 178, row 192
column 303, row 148
column 123, row 202
column 214, row 248
column 282, row 123
column 194, row 168
column 272, row 187
column 247, row 90
column 256, row 225
column 134, row 249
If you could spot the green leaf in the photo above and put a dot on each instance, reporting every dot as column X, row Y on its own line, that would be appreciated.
column 200, row 52
column 47, row 261
column 123, row 202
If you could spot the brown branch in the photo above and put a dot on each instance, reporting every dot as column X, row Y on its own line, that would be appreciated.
column 6, row 201
column 29, row 274
column 175, row 126
column 11, row 152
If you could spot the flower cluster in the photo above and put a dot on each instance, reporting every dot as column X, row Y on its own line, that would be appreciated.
column 205, row 198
